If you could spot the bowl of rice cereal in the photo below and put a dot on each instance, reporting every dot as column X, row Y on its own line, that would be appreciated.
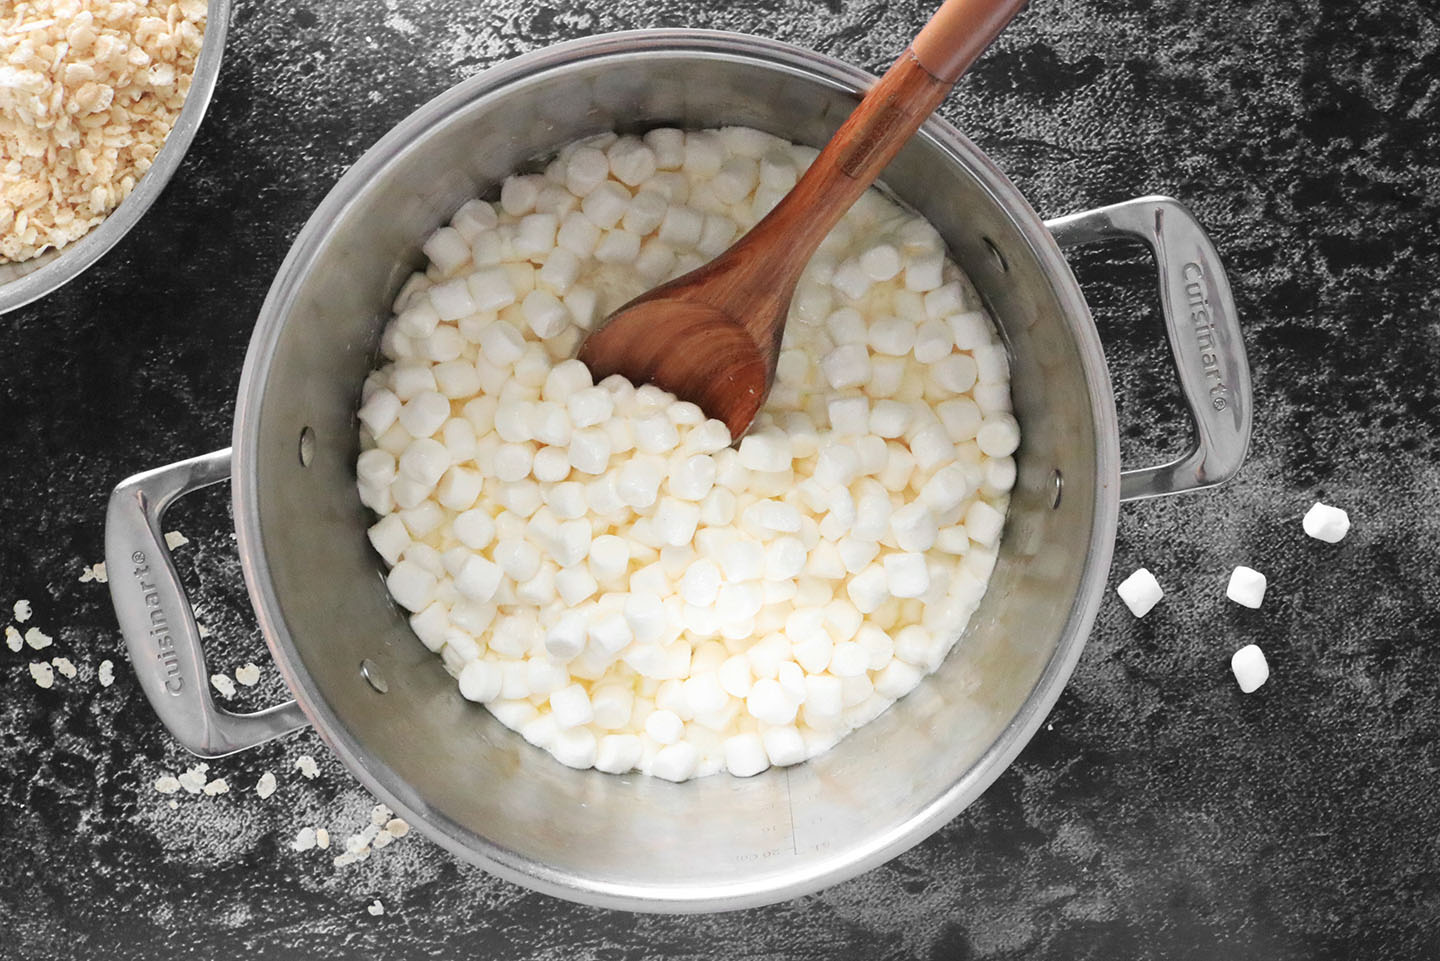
column 99, row 100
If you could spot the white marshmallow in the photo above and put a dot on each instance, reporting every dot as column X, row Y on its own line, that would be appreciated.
column 1140, row 592
column 411, row 585
column 983, row 523
column 906, row 574
column 1250, row 668
column 570, row 706
column 768, row 702
column 745, row 755
column 998, row 435
column 784, row 745
column 676, row 762
column 480, row 681
column 846, row 366
column 1326, row 523
column 1246, row 587
column 618, row 753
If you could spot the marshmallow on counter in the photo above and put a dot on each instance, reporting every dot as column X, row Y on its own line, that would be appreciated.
column 1250, row 668
column 1140, row 592
column 1246, row 587
column 1326, row 523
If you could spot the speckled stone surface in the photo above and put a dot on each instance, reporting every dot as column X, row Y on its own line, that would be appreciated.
column 1159, row 813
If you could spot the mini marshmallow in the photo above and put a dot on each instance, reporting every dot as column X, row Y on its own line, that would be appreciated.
column 998, row 435
column 566, row 637
column 480, row 681
column 570, row 706
column 765, row 450
column 906, row 574
column 1140, row 592
column 1250, row 668
column 1246, row 587
column 784, row 745
column 846, row 366
column 618, row 753
column 1326, row 523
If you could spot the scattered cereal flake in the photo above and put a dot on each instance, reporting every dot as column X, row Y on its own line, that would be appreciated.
column 306, row 765
column 106, row 673
column 322, row 838
column 166, row 784
column 350, row 857
column 204, row 631
column 379, row 814
column 174, row 539
column 194, row 779
column 96, row 573
column 376, row 908
column 174, row 805
column 266, row 785
column 217, row 786
column 382, row 839
column 42, row 673
column 354, row 844
column 22, row 611
column 248, row 674
column 398, row 827
column 223, row 684
column 38, row 639
column 304, row 840
column 13, row 640
column 64, row 666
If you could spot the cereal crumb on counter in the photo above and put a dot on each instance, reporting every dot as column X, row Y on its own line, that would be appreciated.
column 42, row 673
column 397, row 827
column 22, row 611
column 223, row 684
column 265, row 786
column 13, row 640
column 89, row 90
column 38, row 639
column 166, row 784
column 322, row 838
column 217, row 786
column 106, row 673
column 304, row 840
column 194, row 779
column 64, row 665
column 174, row 539
column 306, row 765
column 94, row 573
column 376, row 908
column 248, row 674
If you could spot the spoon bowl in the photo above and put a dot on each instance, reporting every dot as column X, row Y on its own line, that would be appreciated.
column 712, row 336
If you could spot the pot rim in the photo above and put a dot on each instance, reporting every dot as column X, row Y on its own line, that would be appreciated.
column 388, row 787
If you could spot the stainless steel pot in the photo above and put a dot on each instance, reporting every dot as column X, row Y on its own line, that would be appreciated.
column 383, row 702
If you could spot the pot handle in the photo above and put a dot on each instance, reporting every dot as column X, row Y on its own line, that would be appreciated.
column 157, row 619
column 1204, row 337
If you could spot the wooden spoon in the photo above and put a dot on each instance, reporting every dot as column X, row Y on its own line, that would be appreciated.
column 712, row 336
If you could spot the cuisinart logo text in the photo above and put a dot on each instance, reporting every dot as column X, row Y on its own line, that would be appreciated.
column 159, row 626
column 1199, row 305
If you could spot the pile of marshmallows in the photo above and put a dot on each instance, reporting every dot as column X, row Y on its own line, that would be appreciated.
column 595, row 562
column 1141, row 592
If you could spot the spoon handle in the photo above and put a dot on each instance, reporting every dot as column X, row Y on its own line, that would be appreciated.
column 890, row 113
column 958, row 33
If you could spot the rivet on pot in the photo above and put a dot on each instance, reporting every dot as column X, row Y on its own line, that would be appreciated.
column 1057, row 481
column 371, row 672
column 995, row 254
column 307, row 446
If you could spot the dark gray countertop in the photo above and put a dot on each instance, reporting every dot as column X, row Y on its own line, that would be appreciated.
column 1159, row 813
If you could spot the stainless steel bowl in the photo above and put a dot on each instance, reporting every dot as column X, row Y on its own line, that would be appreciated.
column 384, row 703
column 28, row 280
